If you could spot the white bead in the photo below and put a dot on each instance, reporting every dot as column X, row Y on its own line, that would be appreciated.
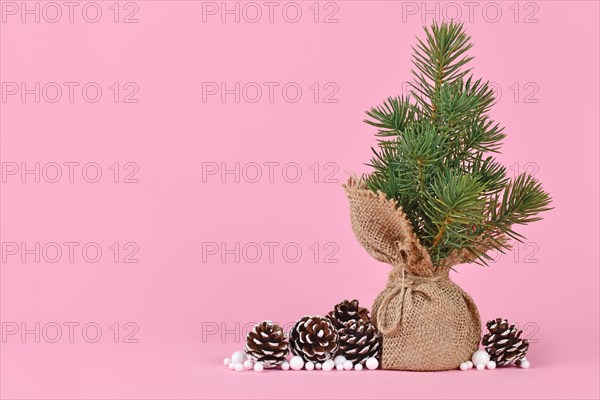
column 358, row 367
column 372, row 363
column 248, row 364
column 347, row 365
column 227, row 361
column 480, row 367
column 491, row 365
column 258, row 367
column 466, row 365
column 524, row 364
column 296, row 363
column 327, row 366
column 309, row 366
column 231, row 365
column 339, row 360
column 318, row 366
column 238, row 357
column 339, row 367
column 480, row 357
column 239, row 367
column 285, row 365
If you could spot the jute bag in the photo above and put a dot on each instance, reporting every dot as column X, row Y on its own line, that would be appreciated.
column 427, row 322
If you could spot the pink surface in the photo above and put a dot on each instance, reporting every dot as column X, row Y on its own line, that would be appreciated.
column 173, row 209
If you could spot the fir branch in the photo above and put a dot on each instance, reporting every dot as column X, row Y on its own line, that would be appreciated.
column 392, row 116
column 522, row 200
column 439, row 60
column 455, row 205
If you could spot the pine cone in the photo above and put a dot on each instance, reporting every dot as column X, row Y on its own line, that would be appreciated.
column 314, row 339
column 504, row 343
column 359, row 340
column 267, row 343
column 347, row 311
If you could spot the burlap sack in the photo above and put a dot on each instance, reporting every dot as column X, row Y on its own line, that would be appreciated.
column 427, row 322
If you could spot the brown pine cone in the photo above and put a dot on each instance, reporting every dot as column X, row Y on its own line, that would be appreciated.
column 267, row 343
column 503, row 342
column 314, row 339
column 347, row 311
column 359, row 340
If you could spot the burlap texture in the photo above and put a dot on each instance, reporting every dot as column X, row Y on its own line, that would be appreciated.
column 427, row 322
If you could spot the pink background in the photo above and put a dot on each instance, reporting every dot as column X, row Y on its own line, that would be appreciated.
column 186, row 310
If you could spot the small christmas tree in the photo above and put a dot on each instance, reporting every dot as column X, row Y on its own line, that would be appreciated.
column 433, row 156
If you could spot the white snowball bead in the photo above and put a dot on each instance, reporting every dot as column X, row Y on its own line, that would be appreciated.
column 227, row 361
column 327, row 366
column 238, row 357
column 480, row 357
column 524, row 363
column 347, row 365
column 285, row 365
column 466, row 365
column 309, row 366
column 239, row 367
column 372, row 363
column 248, row 364
column 480, row 367
column 296, row 363
column 339, row 367
column 339, row 360
column 258, row 367
column 318, row 366
column 358, row 367
column 231, row 365
column 491, row 365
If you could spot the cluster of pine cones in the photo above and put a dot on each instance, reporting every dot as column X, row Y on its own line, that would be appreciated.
column 347, row 331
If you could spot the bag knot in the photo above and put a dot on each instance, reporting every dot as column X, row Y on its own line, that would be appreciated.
column 399, row 284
